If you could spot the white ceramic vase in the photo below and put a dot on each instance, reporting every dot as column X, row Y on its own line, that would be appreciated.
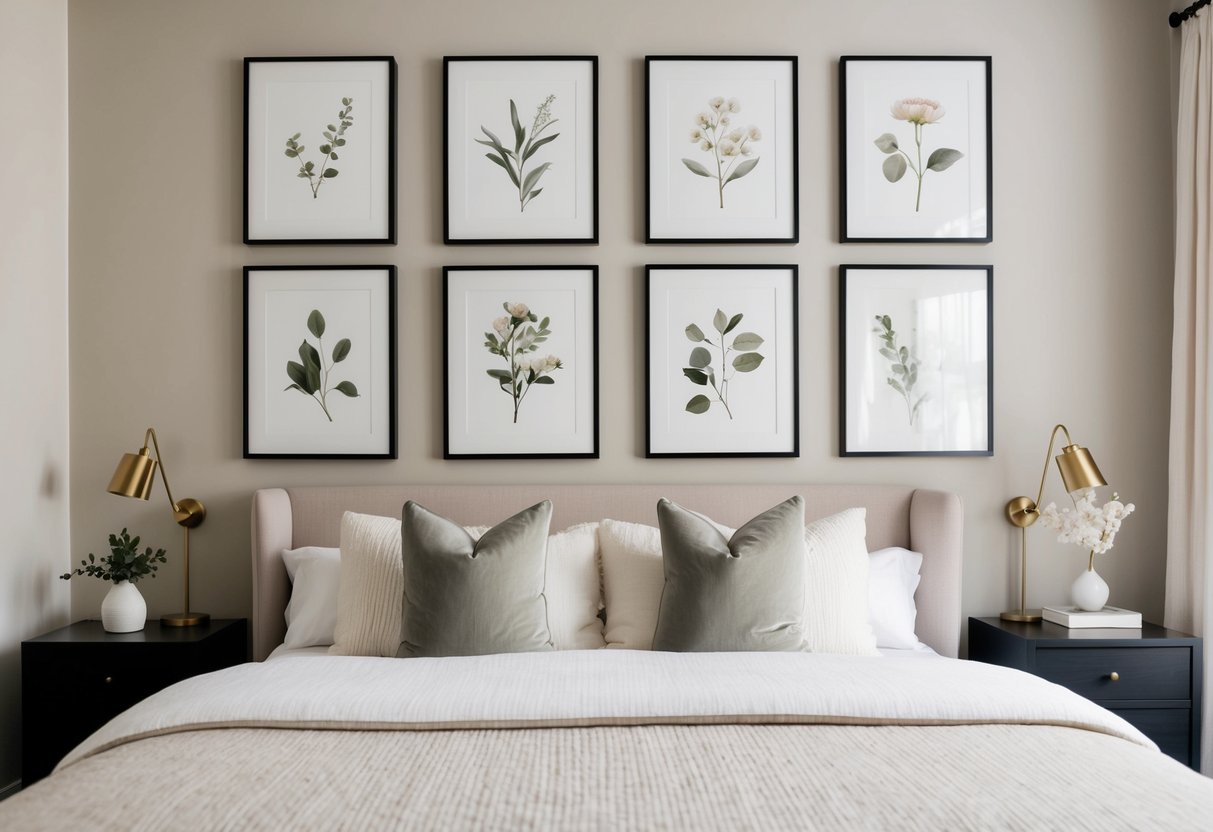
column 123, row 610
column 1089, row 591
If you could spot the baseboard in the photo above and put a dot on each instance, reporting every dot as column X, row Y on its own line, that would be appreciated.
column 10, row 790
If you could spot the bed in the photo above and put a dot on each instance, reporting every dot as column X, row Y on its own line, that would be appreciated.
column 605, row 739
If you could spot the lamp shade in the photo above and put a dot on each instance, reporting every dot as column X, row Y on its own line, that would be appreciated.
column 1078, row 469
column 134, row 475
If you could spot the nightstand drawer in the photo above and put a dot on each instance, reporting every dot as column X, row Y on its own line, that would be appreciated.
column 1119, row 673
column 1169, row 727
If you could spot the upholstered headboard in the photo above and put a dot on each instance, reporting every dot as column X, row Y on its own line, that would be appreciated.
column 929, row 522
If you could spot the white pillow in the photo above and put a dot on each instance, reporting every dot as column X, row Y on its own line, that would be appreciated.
column 836, row 584
column 311, row 615
column 892, row 580
column 371, row 592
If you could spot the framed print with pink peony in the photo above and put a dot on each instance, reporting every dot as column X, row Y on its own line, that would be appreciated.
column 916, row 360
column 721, row 149
column 915, row 150
column 721, row 361
column 521, row 358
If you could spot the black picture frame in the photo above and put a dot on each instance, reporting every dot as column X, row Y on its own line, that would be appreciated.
column 390, row 237
column 447, row 238
column 447, row 453
column 845, row 233
column 794, row 161
column 792, row 354
column 392, row 381
column 844, row 272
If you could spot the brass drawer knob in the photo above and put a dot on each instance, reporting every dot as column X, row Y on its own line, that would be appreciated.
column 1114, row 676
column 109, row 680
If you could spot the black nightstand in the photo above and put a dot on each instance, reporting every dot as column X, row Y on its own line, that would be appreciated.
column 77, row 678
column 1151, row 676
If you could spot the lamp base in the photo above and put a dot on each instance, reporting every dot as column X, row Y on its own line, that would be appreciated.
column 184, row 619
column 1027, row 616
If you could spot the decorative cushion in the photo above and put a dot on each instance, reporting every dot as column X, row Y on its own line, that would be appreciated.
column 311, row 614
column 371, row 587
column 836, row 585
column 573, row 588
column 469, row 597
column 893, row 576
column 632, row 580
column 741, row 593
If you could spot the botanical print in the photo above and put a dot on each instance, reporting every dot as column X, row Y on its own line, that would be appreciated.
column 311, row 377
column 728, row 145
column 333, row 140
column 903, row 364
column 515, row 336
column 701, row 371
column 920, row 112
column 513, row 162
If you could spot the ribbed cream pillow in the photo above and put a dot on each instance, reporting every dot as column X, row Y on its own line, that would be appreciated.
column 836, row 583
column 371, row 586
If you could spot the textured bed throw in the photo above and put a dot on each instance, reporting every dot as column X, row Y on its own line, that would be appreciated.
column 616, row 739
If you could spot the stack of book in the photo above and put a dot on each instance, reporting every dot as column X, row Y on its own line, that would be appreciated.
column 1076, row 618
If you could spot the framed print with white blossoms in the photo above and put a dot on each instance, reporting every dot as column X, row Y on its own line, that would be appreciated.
column 520, row 149
column 917, row 369
column 721, row 155
column 721, row 361
column 320, row 362
column 320, row 150
column 915, row 150
column 521, row 355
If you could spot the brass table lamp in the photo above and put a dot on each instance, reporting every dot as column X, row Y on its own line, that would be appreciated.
column 133, row 478
column 1078, row 472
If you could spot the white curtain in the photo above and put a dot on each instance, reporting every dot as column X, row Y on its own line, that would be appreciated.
column 1189, row 602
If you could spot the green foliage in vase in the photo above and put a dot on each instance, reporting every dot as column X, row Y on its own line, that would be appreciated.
column 333, row 139
column 310, row 375
column 124, row 562
column 729, row 146
column 516, row 335
column 904, row 366
column 513, row 162
column 700, row 370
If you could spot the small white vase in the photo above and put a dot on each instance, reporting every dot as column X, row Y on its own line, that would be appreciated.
column 123, row 610
column 1089, row 591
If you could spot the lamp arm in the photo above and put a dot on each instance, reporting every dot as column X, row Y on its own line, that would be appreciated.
column 1043, row 474
column 151, row 432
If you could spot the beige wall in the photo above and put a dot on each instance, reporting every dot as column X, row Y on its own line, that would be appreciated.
column 1082, row 254
column 33, row 323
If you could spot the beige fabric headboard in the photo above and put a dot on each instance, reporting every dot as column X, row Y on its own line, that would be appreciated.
column 929, row 522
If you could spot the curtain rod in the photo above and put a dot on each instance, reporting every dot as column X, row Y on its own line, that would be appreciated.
column 1176, row 19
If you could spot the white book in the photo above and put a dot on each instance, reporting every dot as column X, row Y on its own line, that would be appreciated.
column 1075, row 618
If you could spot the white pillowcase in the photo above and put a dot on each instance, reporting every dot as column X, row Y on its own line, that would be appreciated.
column 371, row 592
column 311, row 615
column 893, row 576
column 836, row 584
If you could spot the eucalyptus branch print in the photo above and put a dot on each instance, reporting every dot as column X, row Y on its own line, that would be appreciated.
column 513, row 162
column 904, row 366
column 920, row 112
column 701, row 371
column 514, row 337
column 334, row 138
column 310, row 375
column 729, row 146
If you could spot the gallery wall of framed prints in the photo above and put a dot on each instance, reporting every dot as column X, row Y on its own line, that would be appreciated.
column 722, row 343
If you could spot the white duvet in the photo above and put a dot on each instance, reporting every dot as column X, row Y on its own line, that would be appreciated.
column 603, row 687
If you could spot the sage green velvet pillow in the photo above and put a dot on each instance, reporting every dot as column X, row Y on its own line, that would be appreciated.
column 469, row 597
column 740, row 594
